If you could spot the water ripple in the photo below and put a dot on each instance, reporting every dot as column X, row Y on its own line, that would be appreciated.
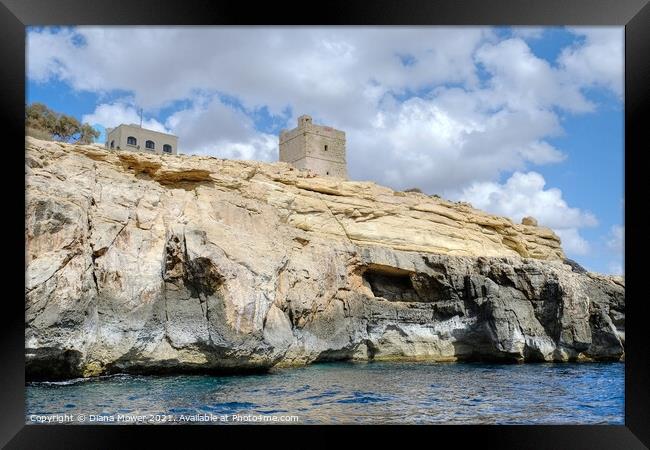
column 418, row 393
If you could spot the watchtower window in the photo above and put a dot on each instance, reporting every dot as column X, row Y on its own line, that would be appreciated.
column 327, row 172
column 150, row 145
column 325, row 147
column 167, row 148
column 112, row 144
column 131, row 141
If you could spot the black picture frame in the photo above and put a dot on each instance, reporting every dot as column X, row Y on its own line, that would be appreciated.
column 15, row 15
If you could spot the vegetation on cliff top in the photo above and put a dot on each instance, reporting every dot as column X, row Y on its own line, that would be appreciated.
column 42, row 122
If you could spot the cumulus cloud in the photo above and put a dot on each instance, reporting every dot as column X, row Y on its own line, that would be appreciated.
column 110, row 115
column 327, row 70
column 597, row 60
column 572, row 242
column 524, row 194
column 449, row 140
column 528, row 32
column 522, row 81
column 210, row 127
column 616, row 245
column 616, row 239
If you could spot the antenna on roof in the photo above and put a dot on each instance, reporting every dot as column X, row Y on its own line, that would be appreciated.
column 140, row 117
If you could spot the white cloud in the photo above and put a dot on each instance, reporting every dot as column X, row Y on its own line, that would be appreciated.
column 616, row 239
column 210, row 127
column 616, row 245
column 528, row 32
column 524, row 194
column 522, row 81
column 114, row 114
column 598, row 60
column 448, row 141
column 44, row 52
column 572, row 243
column 328, row 70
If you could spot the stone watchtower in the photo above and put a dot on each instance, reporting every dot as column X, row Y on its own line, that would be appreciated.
column 315, row 147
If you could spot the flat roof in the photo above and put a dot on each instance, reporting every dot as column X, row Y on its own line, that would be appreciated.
column 138, row 127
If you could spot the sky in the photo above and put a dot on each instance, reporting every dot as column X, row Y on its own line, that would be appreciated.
column 518, row 122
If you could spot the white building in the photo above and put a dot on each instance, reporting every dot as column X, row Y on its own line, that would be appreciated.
column 135, row 138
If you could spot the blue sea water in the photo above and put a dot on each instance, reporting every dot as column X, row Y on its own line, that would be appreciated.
column 342, row 393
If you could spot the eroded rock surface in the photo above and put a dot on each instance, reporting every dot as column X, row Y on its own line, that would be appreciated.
column 150, row 263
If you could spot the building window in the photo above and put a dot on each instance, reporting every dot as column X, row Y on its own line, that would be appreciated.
column 167, row 148
column 325, row 147
column 150, row 145
column 112, row 144
column 131, row 141
column 328, row 170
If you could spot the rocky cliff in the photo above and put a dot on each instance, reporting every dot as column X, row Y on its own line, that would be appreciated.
column 149, row 263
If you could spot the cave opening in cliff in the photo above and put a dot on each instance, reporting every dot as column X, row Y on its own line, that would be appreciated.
column 391, row 283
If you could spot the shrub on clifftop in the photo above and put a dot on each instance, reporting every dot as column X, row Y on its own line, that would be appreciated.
column 41, row 122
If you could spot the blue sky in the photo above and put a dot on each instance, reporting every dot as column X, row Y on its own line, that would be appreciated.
column 517, row 121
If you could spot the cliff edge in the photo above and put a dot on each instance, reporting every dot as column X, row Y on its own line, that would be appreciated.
column 151, row 263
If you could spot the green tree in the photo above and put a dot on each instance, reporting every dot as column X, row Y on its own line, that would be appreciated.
column 41, row 120
column 87, row 134
column 66, row 127
column 40, row 117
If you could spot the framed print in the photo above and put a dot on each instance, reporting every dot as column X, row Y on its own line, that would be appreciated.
column 372, row 215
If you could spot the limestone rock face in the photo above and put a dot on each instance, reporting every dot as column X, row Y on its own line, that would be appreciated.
column 154, row 263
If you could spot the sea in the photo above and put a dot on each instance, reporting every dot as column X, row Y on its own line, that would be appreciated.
column 344, row 393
